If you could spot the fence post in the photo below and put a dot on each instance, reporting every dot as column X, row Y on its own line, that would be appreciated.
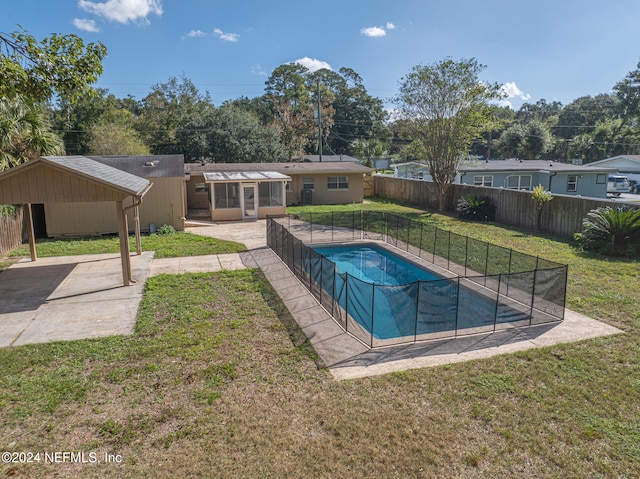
column 346, row 302
column 353, row 225
column 486, row 265
column 495, row 313
column 310, row 227
column 332, row 226
column 373, row 298
column 509, row 277
column 533, row 295
column 449, row 252
column 466, row 253
column 420, row 247
column 408, row 233
column 415, row 328
column 435, row 238
column 457, row 306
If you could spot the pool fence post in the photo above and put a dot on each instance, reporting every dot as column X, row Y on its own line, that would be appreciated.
column 449, row 252
column 495, row 314
column 408, row 234
column 373, row 298
column 310, row 227
column 486, row 265
column 420, row 247
column 397, row 228
column 466, row 253
column 509, row 276
column 415, row 326
column 353, row 225
column 435, row 238
column 332, row 226
column 455, row 334
column 346, row 302
column 533, row 294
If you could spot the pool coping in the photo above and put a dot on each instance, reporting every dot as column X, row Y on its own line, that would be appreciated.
column 348, row 358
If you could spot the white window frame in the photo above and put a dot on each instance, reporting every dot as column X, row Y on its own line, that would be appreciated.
column 337, row 183
column 483, row 180
column 308, row 183
column 520, row 186
column 572, row 183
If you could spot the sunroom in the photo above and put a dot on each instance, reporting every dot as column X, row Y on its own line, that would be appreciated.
column 246, row 195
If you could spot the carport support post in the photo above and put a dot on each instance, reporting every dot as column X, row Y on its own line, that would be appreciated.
column 123, row 233
column 32, row 236
column 136, row 223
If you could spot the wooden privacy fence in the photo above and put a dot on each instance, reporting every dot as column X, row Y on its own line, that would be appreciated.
column 368, row 185
column 561, row 216
column 11, row 230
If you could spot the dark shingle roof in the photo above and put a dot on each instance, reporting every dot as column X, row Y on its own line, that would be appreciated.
column 156, row 166
column 101, row 173
column 284, row 168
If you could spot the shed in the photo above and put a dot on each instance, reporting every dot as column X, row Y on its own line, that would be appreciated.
column 75, row 179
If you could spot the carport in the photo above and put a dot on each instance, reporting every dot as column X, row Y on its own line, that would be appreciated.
column 76, row 179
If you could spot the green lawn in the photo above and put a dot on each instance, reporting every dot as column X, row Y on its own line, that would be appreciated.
column 218, row 382
column 165, row 246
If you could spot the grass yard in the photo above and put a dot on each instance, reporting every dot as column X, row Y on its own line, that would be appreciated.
column 165, row 246
column 217, row 382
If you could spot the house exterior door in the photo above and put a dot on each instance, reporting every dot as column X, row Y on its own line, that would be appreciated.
column 249, row 200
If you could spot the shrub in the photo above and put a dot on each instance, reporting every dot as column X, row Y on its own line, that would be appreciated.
column 476, row 208
column 541, row 197
column 166, row 230
column 611, row 231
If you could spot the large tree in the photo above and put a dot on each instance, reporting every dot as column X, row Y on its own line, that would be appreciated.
column 60, row 65
column 445, row 106
column 289, row 95
column 164, row 113
column 628, row 93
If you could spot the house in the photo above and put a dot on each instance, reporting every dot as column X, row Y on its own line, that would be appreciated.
column 558, row 178
column 235, row 191
column 165, row 203
column 627, row 165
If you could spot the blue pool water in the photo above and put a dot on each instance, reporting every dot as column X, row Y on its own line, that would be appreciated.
column 375, row 265
column 391, row 297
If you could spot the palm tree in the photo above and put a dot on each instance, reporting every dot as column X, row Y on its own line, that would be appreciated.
column 25, row 132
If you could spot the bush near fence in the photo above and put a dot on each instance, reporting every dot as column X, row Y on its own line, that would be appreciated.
column 562, row 216
column 11, row 225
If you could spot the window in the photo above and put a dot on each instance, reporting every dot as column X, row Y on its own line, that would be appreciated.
column 601, row 179
column 483, row 180
column 226, row 195
column 572, row 183
column 270, row 193
column 338, row 183
column 307, row 184
column 202, row 188
column 519, row 182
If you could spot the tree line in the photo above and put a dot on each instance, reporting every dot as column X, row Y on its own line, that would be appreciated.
column 442, row 111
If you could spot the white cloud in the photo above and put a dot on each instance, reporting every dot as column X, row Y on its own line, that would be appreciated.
column 86, row 25
column 373, row 32
column 196, row 34
column 313, row 64
column 390, row 26
column 227, row 37
column 511, row 90
column 123, row 11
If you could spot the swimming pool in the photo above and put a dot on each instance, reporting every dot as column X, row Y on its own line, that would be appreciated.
column 391, row 297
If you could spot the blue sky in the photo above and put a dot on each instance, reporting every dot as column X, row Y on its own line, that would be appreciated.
column 556, row 50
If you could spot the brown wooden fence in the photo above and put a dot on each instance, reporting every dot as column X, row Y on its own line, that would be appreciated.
column 11, row 231
column 561, row 216
column 368, row 186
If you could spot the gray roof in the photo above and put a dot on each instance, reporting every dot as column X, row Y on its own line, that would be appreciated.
column 330, row 158
column 101, row 173
column 245, row 176
column 155, row 166
column 527, row 165
column 284, row 168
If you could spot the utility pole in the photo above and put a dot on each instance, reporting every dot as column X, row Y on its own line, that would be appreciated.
column 319, row 121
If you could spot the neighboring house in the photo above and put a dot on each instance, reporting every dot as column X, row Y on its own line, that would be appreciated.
column 558, row 178
column 234, row 191
column 163, row 204
column 627, row 165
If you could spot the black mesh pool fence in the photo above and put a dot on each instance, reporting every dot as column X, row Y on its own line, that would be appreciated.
column 492, row 288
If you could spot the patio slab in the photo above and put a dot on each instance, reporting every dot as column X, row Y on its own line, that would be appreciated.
column 69, row 297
